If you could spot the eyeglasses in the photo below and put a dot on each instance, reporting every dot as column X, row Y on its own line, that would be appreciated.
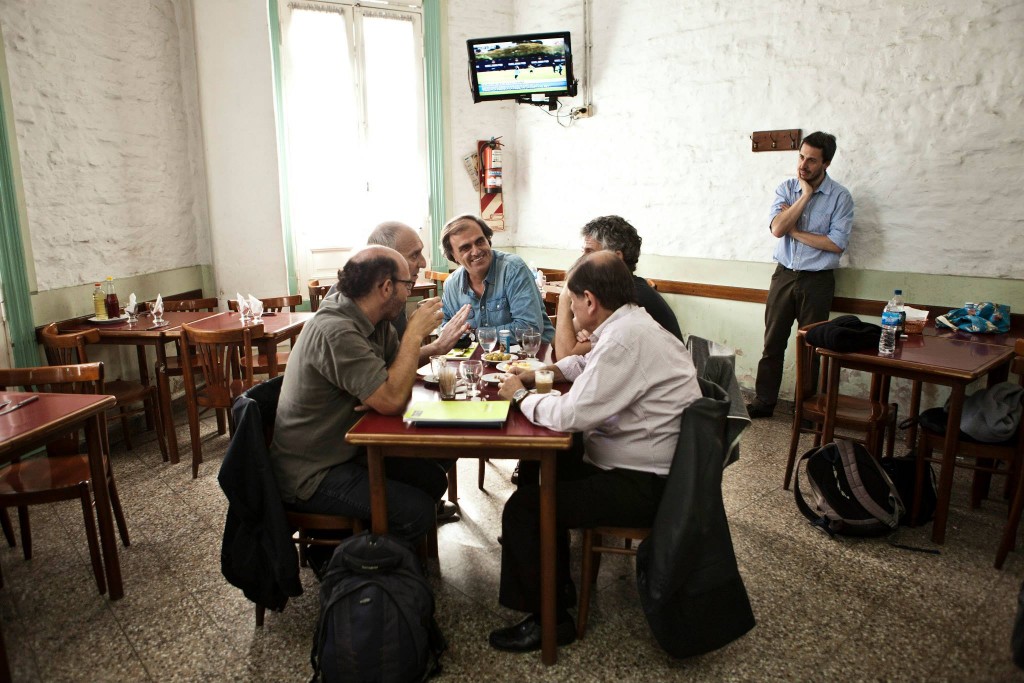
column 409, row 284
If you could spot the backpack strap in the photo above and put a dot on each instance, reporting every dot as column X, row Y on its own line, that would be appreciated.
column 848, row 453
column 820, row 521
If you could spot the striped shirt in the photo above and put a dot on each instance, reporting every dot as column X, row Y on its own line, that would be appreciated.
column 628, row 394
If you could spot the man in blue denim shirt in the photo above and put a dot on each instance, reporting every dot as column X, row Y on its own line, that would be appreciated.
column 499, row 288
column 811, row 215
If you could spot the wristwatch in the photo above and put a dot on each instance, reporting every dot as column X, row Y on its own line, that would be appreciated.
column 518, row 397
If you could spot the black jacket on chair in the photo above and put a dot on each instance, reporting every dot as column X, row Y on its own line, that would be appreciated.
column 257, row 554
column 689, row 584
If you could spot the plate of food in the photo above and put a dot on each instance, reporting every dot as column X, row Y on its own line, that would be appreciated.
column 493, row 377
column 499, row 357
column 525, row 364
column 108, row 321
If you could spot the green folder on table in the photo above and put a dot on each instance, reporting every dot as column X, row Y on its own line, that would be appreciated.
column 457, row 413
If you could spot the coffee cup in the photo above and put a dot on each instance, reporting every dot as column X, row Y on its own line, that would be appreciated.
column 543, row 380
column 446, row 382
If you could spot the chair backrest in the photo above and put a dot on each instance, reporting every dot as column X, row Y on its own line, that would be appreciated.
column 273, row 304
column 807, row 385
column 216, row 354
column 191, row 305
column 553, row 274
column 82, row 378
column 67, row 348
column 317, row 292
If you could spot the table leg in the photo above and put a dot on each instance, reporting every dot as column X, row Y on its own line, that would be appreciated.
column 269, row 349
column 548, row 606
column 101, row 495
column 831, row 400
column 378, row 491
column 949, row 447
column 163, row 386
column 140, row 351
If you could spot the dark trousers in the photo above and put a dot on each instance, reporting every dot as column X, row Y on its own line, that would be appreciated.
column 803, row 296
column 413, row 488
column 586, row 496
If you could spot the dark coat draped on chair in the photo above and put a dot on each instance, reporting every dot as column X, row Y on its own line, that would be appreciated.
column 689, row 584
column 257, row 554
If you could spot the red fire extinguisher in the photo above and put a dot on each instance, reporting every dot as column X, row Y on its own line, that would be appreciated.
column 490, row 166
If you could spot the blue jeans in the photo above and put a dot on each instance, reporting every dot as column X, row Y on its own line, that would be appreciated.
column 414, row 486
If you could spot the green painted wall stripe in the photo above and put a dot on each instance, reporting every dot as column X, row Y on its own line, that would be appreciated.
column 282, row 152
column 12, row 259
column 432, row 42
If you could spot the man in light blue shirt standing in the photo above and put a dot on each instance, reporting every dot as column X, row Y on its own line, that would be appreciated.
column 812, row 216
column 499, row 288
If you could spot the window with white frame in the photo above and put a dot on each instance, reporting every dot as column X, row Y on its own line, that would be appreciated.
column 352, row 95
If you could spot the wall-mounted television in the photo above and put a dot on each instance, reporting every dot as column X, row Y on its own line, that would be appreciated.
column 531, row 67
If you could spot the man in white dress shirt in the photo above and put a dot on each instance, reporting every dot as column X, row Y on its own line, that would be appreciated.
column 627, row 398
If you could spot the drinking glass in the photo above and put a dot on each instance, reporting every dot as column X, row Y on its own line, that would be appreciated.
column 446, row 382
column 132, row 317
column 488, row 338
column 256, row 309
column 519, row 329
column 437, row 364
column 530, row 343
column 243, row 311
column 471, row 372
column 158, row 313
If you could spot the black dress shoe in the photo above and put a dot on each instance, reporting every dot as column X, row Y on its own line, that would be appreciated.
column 757, row 409
column 525, row 636
column 446, row 511
column 515, row 476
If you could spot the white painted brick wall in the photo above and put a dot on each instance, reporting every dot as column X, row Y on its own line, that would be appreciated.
column 925, row 98
column 105, row 108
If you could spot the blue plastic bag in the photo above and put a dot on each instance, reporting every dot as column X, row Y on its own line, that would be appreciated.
column 983, row 318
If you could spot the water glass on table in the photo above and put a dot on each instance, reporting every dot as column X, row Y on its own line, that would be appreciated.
column 530, row 343
column 472, row 371
column 437, row 364
column 488, row 338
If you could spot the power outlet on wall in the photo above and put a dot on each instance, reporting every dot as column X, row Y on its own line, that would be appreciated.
column 584, row 112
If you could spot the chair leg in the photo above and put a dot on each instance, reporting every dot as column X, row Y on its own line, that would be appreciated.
column 163, row 386
column 5, row 523
column 26, row 532
column 91, row 537
column 794, row 443
column 115, row 504
column 260, row 612
column 193, row 428
column 153, row 404
column 222, row 421
column 453, row 484
column 587, row 575
column 480, row 474
column 1012, row 522
column 125, row 432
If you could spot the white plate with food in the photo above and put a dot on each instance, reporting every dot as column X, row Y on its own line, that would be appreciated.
column 499, row 357
column 493, row 377
column 525, row 364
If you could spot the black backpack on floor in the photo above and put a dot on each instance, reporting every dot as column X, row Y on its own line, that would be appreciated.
column 853, row 495
column 376, row 616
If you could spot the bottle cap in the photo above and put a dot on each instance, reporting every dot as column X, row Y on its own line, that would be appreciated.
column 898, row 291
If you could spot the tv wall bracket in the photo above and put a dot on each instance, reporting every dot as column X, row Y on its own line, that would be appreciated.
column 551, row 101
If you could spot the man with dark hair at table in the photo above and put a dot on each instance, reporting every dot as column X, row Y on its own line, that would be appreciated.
column 614, row 234
column 499, row 287
column 347, row 357
column 627, row 398
column 812, row 216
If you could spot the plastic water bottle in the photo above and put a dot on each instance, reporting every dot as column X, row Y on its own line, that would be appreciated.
column 890, row 324
column 897, row 296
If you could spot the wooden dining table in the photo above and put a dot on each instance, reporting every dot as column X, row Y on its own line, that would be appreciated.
column 929, row 359
column 278, row 328
column 388, row 436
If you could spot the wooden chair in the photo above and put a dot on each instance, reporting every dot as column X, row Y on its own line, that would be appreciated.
column 862, row 414
column 172, row 367
column 553, row 274
column 984, row 459
column 274, row 304
column 212, row 352
column 593, row 548
column 70, row 348
column 64, row 473
column 317, row 292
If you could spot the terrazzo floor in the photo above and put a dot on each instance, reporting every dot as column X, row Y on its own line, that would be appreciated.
column 827, row 610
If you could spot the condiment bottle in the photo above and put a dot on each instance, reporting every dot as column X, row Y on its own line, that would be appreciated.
column 98, row 302
column 112, row 306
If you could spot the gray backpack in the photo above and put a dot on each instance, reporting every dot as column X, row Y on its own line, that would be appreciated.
column 852, row 494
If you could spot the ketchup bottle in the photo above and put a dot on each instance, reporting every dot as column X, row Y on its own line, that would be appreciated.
column 110, row 301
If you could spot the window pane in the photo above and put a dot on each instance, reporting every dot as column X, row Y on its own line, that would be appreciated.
column 396, row 157
column 325, row 182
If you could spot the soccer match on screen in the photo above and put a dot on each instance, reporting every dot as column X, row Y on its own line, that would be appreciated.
column 527, row 67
